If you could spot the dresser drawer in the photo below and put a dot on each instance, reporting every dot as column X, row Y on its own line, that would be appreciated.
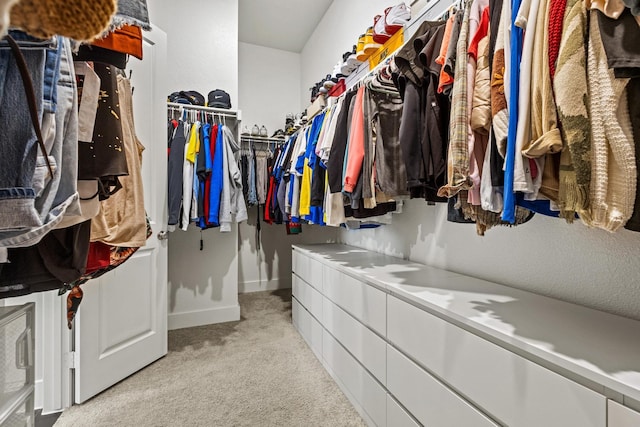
column 359, row 384
column 621, row 416
column 308, row 269
column 513, row 390
column 308, row 296
column 362, row 343
column 300, row 265
column 308, row 327
column 431, row 402
column 362, row 301
column 397, row 416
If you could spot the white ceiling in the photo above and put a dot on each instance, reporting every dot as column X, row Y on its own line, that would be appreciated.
column 280, row 24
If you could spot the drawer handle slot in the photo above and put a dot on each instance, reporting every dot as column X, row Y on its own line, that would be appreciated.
column 24, row 355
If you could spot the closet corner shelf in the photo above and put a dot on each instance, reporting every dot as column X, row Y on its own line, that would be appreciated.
column 220, row 111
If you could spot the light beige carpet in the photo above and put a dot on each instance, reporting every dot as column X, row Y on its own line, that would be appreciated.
column 256, row 372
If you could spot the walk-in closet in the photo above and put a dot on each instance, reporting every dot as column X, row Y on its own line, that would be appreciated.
column 320, row 213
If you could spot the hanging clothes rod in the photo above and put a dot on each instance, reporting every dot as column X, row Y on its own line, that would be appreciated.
column 264, row 139
column 237, row 114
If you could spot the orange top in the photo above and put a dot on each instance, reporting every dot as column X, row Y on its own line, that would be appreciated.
column 445, row 78
column 127, row 39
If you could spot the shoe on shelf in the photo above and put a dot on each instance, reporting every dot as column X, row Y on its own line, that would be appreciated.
column 314, row 92
column 352, row 59
column 255, row 130
column 360, row 55
column 328, row 82
column 245, row 130
column 263, row 132
column 370, row 46
column 337, row 74
column 380, row 34
column 347, row 69
column 396, row 17
column 278, row 134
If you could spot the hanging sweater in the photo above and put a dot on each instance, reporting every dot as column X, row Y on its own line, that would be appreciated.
column 545, row 140
column 613, row 180
column 478, row 140
column 570, row 88
column 500, row 80
column 458, row 153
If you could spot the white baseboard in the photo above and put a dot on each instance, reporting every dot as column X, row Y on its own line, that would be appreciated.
column 204, row 317
column 263, row 285
column 38, row 402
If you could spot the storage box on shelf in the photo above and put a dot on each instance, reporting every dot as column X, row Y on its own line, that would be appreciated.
column 17, row 365
column 445, row 349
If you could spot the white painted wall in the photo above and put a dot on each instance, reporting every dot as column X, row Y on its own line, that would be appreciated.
column 546, row 256
column 338, row 31
column 269, row 267
column 269, row 85
column 203, row 55
column 202, row 43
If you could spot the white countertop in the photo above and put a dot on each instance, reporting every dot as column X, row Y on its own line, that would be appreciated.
column 598, row 346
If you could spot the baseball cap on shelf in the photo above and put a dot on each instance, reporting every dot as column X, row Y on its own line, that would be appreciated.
column 187, row 97
column 218, row 98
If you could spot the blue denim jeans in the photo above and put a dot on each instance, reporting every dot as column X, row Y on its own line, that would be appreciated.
column 18, row 145
column 57, row 195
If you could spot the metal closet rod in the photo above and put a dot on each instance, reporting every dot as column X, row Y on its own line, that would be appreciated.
column 262, row 139
column 217, row 111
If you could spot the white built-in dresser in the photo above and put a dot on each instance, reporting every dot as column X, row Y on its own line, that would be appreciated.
column 414, row 345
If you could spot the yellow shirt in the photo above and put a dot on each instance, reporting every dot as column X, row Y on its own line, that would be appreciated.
column 194, row 143
column 305, row 190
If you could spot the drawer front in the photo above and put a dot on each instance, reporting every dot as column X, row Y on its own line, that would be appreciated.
column 300, row 265
column 362, row 301
column 308, row 269
column 362, row 343
column 308, row 296
column 370, row 395
column 621, row 416
column 510, row 388
column 431, row 402
column 397, row 416
column 308, row 327
column 316, row 271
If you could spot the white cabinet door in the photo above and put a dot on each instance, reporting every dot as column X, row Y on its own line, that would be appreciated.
column 122, row 322
column 621, row 416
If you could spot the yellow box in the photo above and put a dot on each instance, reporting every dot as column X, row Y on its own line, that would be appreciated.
column 393, row 44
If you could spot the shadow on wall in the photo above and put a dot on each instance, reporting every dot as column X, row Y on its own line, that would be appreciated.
column 198, row 270
column 272, row 261
column 547, row 256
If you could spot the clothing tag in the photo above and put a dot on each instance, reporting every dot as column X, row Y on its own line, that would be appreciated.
column 4, row 255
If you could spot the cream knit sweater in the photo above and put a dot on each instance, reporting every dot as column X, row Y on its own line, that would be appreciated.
column 545, row 136
column 613, row 176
